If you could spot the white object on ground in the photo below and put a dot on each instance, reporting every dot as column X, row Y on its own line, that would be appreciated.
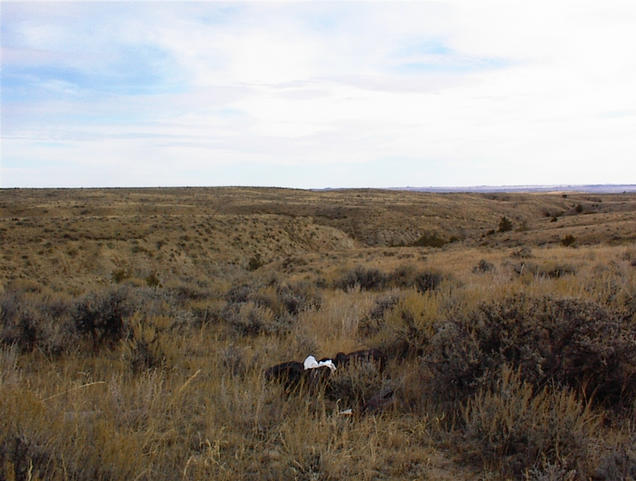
column 311, row 363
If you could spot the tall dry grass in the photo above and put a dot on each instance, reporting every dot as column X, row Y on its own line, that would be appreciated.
column 149, row 364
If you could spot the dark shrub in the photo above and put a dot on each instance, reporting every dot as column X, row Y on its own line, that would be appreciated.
column 245, row 320
column 250, row 319
column 513, row 427
column 560, row 342
column 428, row 281
column 183, row 293
column 382, row 305
column 355, row 384
column 523, row 253
column 568, row 240
column 557, row 271
column 249, row 311
column 152, row 280
column 483, row 266
column 403, row 276
column 367, row 279
column 238, row 294
column 23, row 458
column 298, row 297
column 101, row 316
column 524, row 267
column 143, row 354
column 119, row 275
column 619, row 462
column 505, row 225
column 34, row 321
column 255, row 262
column 21, row 329
column 372, row 323
column 430, row 239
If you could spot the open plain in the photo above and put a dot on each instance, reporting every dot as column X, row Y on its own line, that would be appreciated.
column 136, row 324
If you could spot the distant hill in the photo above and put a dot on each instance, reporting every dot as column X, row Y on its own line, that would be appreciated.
column 588, row 188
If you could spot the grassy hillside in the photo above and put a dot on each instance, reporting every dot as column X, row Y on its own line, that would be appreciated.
column 135, row 326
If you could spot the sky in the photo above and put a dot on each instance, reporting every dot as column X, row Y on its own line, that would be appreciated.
column 318, row 94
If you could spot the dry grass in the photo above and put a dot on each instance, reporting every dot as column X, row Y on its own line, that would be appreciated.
column 135, row 326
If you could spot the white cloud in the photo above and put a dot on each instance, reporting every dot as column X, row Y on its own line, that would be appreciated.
column 493, row 92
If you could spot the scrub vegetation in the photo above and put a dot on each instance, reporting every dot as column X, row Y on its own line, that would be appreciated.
column 136, row 325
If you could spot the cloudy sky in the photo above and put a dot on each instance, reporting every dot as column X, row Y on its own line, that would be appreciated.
column 318, row 94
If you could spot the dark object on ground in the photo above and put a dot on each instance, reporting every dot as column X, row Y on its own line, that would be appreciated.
column 289, row 373
column 366, row 355
column 317, row 377
column 293, row 373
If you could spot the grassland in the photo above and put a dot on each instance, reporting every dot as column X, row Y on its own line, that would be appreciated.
column 135, row 325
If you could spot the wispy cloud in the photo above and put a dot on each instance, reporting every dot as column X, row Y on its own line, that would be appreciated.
column 317, row 94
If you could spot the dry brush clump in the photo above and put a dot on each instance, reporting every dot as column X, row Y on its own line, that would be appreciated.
column 272, row 308
column 514, row 428
column 373, row 279
column 33, row 320
column 561, row 342
column 531, row 385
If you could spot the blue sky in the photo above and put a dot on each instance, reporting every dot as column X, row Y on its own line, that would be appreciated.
column 317, row 94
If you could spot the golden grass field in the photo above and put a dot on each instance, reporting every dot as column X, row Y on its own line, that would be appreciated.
column 135, row 326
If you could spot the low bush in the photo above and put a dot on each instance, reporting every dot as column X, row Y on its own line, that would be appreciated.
column 428, row 281
column 483, row 266
column 142, row 350
column 270, row 309
column 523, row 253
column 558, row 270
column 560, row 342
column 372, row 323
column 552, row 271
column 33, row 320
column 119, row 275
column 100, row 316
column 505, row 225
column 354, row 385
column 514, row 428
column 366, row 279
column 568, row 240
column 403, row 277
column 430, row 239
